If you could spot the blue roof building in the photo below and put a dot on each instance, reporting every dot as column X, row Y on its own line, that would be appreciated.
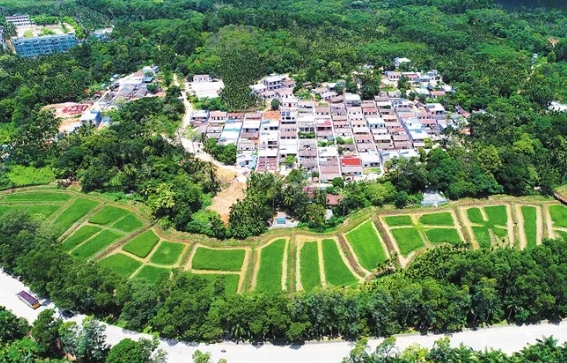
column 32, row 47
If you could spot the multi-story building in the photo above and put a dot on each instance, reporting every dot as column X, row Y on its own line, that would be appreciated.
column 20, row 20
column 2, row 35
column 32, row 47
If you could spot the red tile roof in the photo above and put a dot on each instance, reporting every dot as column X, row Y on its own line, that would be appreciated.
column 351, row 161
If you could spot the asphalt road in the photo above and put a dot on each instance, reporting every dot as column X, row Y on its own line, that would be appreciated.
column 507, row 338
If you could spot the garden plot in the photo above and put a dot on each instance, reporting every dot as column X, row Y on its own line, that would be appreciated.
column 530, row 223
column 230, row 281
column 96, row 244
column 271, row 267
column 218, row 259
column 408, row 239
column 44, row 197
column 77, row 210
column 129, row 223
column 121, row 264
column 337, row 272
column 152, row 273
column 489, row 225
column 310, row 265
column 367, row 246
column 108, row 215
column 394, row 221
column 142, row 245
column 558, row 215
column 167, row 253
column 80, row 235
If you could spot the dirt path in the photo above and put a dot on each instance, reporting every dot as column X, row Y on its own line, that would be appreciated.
column 521, row 226
column 354, row 256
column 404, row 260
column 510, row 225
column 539, row 224
column 299, row 242
column 549, row 222
column 321, row 263
column 256, row 269
column 284, row 269
column 468, row 225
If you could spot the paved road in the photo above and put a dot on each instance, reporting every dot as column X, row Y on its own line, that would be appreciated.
column 507, row 338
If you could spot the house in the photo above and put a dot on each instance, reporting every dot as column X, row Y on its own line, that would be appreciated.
column 352, row 99
column 246, row 145
column 267, row 163
column 267, row 95
column 199, row 117
column 369, row 111
column 250, row 129
column 288, row 132
column 270, row 125
column 327, row 96
column 217, row 117
column 401, row 141
column 333, row 200
column 214, row 132
column 288, row 116
column 288, row 147
column 337, row 99
column 284, row 93
column 201, row 78
column 231, row 133
column 322, row 112
column 329, row 169
column 92, row 117
column 370, row 159
column 306, row 123
column 235, row 116
column 418, row 138
column 351, row 167
column 290, row 102
column 437, row 94
column 375, row 122
column 393, row 76
column 383, row 141
column 247, row 160
column 274, row 82
column 289, row 83
column 324, row 129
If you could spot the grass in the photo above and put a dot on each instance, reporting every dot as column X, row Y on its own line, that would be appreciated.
column 530, row 225
column 152, row 273
column 142, row 245
column 43, row 210
column 336, row 272
column 8, row 208
column 443, row 235
column 408, row 239
column 23, row 176
column 28, row 34
column 128, row 224
column 95, row 244
column 500, row 232
column 366, row 245
column 121, row 264
column 167, row 253
column 107, row 215
column 558, row 215
column 218, row 259
column 393, row 221
column 230, row 281
column 437, row 219
column 271, row 267
column 36, row 197
column 80, row 235
column 482, row 236
column 309, row 266
column 77, row 210
column 475, row 216
column 497, row 215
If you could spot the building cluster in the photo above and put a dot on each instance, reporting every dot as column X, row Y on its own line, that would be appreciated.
column 339, row 136
column 32, row 42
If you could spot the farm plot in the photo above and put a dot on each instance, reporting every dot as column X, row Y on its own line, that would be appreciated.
column 8, row 208
column 108, row 214
column 152, row 273
column 530, row 225
column 167, row 253
column 43, row 210
column 482, row 236
column 230, row 281
column 336, row 271
column 218, row 259
column 121, row 264
column 558, row 215
column 366, row 245
column 496, row 220
column 437, row 219
column 497, row 215
column 309, row 266
column 394, row 221
column 142, row 245
column 271, row 269
column 475, row 215
column 36, row 197
column 77, row 210
column 443, row 235
column 128, row 224
column 408, row 239
column 80, row 235
column 95, row 244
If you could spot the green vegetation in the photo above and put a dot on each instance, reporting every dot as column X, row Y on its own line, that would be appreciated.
column 482, row 236
column 43, row 210
column 443, row 235
column 142, row 245
column 475, row 215
column 271, row 267
column 309, row 266
column 500, row 232
column 77, row 210
column 36, row 197
column 408, row 239
column 366, row 245
column 393, row 221
column 497, row 215
column 5, row 209
column 437, row 219
column 558, row 215
column 95, row 244
column 23, row 176
column 121, row 264
column 167, row 253
column 152, row 273
column 80, row 235
column 229, row 281
column 108, row 215
column 128, row 224
column 530, row 225
column 28, row 33
column 218, row 259
column 336, row 271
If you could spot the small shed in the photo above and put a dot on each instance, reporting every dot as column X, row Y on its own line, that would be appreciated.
column 433, row 199
column 28, row 299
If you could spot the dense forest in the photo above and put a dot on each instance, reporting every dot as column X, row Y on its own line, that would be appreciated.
column 443, row 290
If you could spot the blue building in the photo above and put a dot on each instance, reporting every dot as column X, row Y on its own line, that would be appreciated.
column 32, row 47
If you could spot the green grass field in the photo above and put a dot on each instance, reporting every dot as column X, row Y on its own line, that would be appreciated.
column 443, row 235
column 475, row 216
column 500, row 232
column 77, row 210
column 482, row 236
column 336, row 272
column 142, row 245
column 270, row 272
column 558, row 215
column 497, row 215
column 36, row 197
column 393, row 221
column 309, row 266
column 43, row 210
column 230, row 281
column 95, row 244
column 108, row 214
column 366, row 245
column 128, row 224
column 530, row 225
column 152, row 273
column 408, row 239
column 23, row 176
column 437, row 219
column 218, row 259
column 80, row 235
column 8, row 208
column 121, row 264
column 167, row 253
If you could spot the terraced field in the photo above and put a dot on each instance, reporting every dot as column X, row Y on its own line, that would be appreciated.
column 119, row 236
